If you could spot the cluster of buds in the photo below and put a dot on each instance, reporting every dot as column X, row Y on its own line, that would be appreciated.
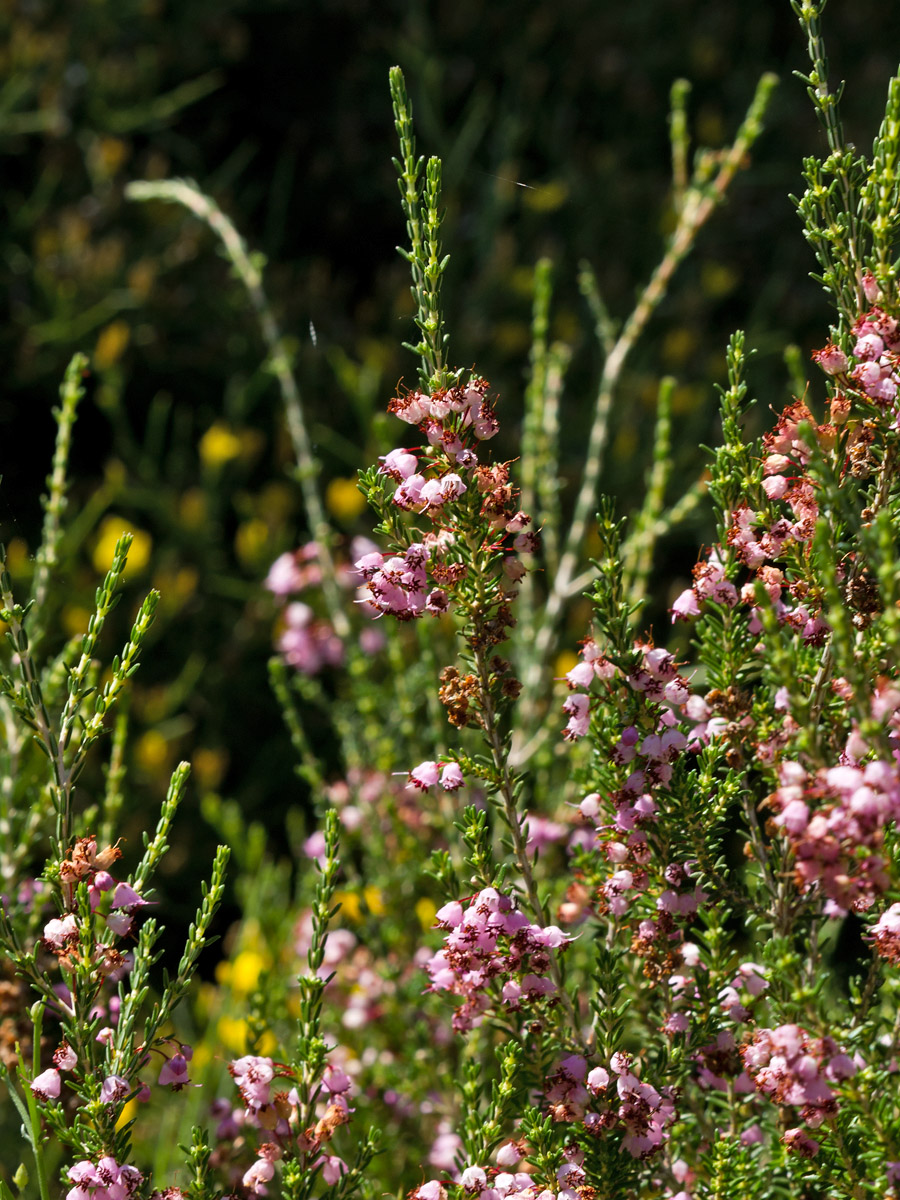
column 673, row 722
column 886, row 934
column 872, row 369
column 611, row 1101
column 103, row 1180
column 491, row 1184
column 306, row 642
column 798, row 1071
column 835, row 821
column 492, row 952
column 112, row 900
column 276, row 1114
column 467, row 504
column 655, row 676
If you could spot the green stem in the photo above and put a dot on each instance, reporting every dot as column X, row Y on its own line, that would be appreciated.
column 250, row 274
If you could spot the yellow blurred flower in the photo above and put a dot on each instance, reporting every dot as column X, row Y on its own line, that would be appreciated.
column 219, row 445
column 209, row 767
column 152, row 751
column 111, row 344
column 75, row 619
column 546, row 197
column 141, row 277
column 688, row 397
column 111, row 152
column 678, row 345
column 425, row 911
column 128, row 1111
column 564, row 663
column 206, row 998
column 512, row 336
column 111, row 529
column 374, row 902
column 175, row 586
column 246, row 970
column 232, row 1033
column 276, row 502
column 344, row 500
column 203, row 1056
column 192, row 508
column 251, row 542
column 718, row 279
column 351, row 909
column 16, row 555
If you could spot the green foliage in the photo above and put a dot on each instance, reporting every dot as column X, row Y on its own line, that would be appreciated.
column 621, row 926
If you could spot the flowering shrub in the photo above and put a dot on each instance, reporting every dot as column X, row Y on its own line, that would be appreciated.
column 636, row 934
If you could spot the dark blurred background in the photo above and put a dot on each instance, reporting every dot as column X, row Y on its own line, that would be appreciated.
column 281, row 112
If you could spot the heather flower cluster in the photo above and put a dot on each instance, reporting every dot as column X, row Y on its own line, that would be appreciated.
column 614, row 1101
column 871, row 369
column 492, row 955
column 306, row 642
column 760, row 537
column 269, row 1118
column 716, row 823
column 104, row 1180
column 835, row 821
column 797, row 1070
column 492, row 1183
column 457, row 507
column 670, row 722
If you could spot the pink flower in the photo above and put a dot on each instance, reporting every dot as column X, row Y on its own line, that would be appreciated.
column 869, row 347
column 399, row 465
column 451, row 777
column 685, row 606
column 831, row 359
column 543, row 832
column 256, row 1178
column 473, row 1179
column 871, row 290
column 508, row 1155
column 105, row 1181
column 59, row 932
column 409, row 493
column 886, row 934
column 46, row 1085
column 597, row 1080
column 114, row 1088
column 332, row 1168
column 432, row 1190
column 126, row 897
column 437, row 602
column 801, row 1143
column 775, row 486
column 424, row 776
column 174, row 1073
column 120, row 923
column 442, row 1156
column 253, row 1074
column 284, row 576
column 876, row 380
column 64, row 1056
column 577, row 709
column 335, row 1080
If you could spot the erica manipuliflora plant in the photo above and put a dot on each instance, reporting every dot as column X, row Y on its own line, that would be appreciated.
column 635, row 933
